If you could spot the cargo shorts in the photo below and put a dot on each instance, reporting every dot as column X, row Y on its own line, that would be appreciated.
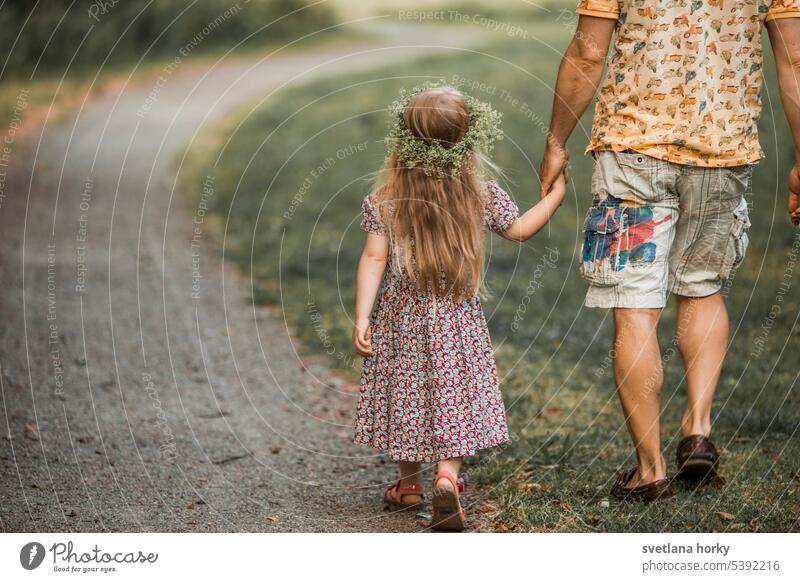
column 657, row 227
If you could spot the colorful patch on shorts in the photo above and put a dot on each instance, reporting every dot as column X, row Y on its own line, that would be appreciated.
column 619, row 233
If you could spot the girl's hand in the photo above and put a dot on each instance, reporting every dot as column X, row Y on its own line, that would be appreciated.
column 362, row 337
column 558, row 188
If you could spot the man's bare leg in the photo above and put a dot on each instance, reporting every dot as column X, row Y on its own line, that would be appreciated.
column 702, row 334
column 637, row 367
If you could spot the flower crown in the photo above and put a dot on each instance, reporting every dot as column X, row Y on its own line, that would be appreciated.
column 434, row 158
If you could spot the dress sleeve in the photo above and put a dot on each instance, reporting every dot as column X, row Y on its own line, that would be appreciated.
column 500, row 212
column 370, row 218
column 600, row 8
column 783, row 9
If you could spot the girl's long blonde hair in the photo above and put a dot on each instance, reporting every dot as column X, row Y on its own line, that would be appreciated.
column 435, row 222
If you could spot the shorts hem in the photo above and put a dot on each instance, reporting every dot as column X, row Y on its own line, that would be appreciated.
column 612, row 300
column 701, row 290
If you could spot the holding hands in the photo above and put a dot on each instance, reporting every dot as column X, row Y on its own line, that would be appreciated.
column 554, row 165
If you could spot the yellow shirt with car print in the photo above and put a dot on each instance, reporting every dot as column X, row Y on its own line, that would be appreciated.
column 684, row 80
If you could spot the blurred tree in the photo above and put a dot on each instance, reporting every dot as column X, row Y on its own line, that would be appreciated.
column 46, row 36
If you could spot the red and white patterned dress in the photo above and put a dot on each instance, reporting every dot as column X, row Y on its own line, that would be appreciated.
column 430, row 391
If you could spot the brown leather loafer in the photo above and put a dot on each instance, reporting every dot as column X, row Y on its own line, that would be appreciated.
column 697, row 458
column 660, row 490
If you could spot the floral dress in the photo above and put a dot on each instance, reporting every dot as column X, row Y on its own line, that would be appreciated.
column 430, row 391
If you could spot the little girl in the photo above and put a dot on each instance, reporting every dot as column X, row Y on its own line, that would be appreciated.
column 429, row 390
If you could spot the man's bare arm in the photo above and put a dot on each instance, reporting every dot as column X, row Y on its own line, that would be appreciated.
column 579, row 75
column 784, row 35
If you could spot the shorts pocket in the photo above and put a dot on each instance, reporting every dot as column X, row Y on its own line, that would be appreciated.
column 600, row 258
column 738, row 241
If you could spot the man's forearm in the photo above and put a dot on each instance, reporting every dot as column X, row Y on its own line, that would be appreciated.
column 789, row 81
column 784, row 35
column 578, row 79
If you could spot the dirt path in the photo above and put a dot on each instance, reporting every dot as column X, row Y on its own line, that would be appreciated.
column 136, row 398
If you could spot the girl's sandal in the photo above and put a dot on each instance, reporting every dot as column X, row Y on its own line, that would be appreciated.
column 447, row 512
column 395, row 496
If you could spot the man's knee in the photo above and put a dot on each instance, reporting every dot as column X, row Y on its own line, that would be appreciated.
column 636, row 321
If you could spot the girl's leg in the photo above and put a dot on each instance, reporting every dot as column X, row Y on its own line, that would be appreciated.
column 409, row 473
column 447, row 512
column 409, row 476
column 450, row 465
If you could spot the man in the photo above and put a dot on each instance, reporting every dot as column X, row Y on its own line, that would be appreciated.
column 674, row 139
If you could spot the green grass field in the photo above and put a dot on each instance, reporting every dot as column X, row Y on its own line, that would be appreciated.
column 289, row 183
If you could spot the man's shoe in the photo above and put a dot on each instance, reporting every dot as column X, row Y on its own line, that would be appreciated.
column 660, row 490
column 697, row 458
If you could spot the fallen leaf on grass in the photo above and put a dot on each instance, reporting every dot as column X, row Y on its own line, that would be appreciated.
column 272, row 518
column 726, row 516
column 487, row 508
column 501, row 528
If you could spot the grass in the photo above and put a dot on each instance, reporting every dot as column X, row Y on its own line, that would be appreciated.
column 289, row 182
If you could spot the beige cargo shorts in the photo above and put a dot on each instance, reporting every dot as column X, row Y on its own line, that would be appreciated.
column 656, row 227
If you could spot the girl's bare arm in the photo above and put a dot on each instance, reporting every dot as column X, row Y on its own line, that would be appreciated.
column 370, row 272
column 534, row 219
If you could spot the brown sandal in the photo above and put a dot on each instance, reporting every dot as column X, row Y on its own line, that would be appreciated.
column 660, row 490
column 396, row 501
column 447, row 512
column 697, row 458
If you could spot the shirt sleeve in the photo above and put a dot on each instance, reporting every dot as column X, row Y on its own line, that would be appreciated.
column 783, row 9
column 370, row 218
column 600, row 8
column 500, row 212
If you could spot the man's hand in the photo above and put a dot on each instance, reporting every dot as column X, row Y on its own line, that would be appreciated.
column 362, row 338
column 794, row 193
column 554, row 164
